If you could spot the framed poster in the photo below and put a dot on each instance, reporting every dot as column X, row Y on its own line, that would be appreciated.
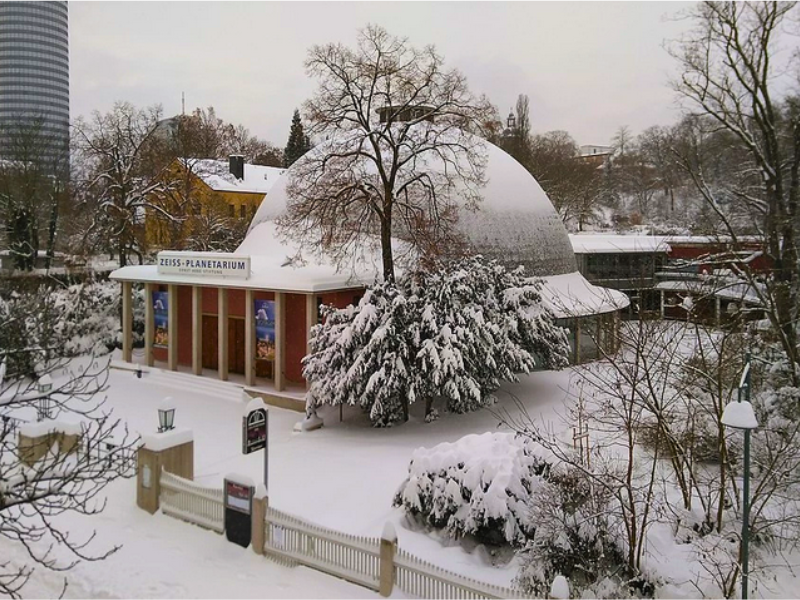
column 160, row 302
column 265, row 329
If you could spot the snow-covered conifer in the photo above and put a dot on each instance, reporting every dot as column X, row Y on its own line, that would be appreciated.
column 451, row 333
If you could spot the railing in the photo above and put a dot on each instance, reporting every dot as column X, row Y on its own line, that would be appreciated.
column 186, row 500
column 357, row 559
column 424, row 580
column 293, row 540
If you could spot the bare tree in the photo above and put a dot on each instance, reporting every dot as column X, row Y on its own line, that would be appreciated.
column 575, row 187
column 35, row 492
column 398, row 158
column 729, row 76
column 117, row 186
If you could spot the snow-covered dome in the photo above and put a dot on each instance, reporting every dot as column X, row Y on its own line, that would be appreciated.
column 515, row 223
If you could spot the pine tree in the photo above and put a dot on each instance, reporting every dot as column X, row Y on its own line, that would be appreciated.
column 452, row 334
column 298, row 143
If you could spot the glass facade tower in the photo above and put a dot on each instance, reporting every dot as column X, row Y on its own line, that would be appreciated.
column 34, row 82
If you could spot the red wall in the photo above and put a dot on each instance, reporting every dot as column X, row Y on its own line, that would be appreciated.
column 695, row 251
column 295, row 330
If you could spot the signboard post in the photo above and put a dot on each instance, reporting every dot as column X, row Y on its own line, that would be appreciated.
column 255, row 433
column 238, row 508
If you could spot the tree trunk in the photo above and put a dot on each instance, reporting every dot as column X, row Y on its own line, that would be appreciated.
column 386, row 248
column 51, row 231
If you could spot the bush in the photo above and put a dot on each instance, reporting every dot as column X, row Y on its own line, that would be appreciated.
column 479, row 486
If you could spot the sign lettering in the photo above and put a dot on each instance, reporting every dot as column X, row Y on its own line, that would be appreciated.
column 215, row 264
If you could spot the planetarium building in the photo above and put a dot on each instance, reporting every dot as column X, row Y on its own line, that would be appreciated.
column 250, row 312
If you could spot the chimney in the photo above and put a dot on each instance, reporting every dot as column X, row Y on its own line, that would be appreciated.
column 236, row 165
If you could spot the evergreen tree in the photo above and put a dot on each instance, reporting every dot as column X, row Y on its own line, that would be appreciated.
column 452, row 334
column 298, row 143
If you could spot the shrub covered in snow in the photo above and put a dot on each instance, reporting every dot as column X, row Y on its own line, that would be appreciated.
column 480, row 485
column 452, row 333
column 575, row 536
column 62, row 322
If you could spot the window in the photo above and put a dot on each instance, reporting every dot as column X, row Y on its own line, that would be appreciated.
column 231, row 210
column 242, row 211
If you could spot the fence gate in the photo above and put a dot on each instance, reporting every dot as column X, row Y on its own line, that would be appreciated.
column 184, row 499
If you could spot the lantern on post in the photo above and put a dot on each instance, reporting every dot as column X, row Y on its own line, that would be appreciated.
column 740, row 415
column 166, row 415
column 44, row 386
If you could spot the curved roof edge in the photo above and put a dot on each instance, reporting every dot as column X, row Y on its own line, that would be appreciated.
column 571, row 295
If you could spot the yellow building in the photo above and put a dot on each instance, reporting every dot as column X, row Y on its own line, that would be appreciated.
column 207, row 204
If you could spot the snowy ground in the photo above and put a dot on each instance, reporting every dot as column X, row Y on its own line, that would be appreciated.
column 343, row 476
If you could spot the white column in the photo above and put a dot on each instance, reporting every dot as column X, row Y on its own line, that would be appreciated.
column 127, row 322
column 222, row 333
column 149, row 324
column 662, row 304
column 172, row 327
column 717, row 310
column 312, row 310
column 280, row 328
column 249, row 339
column 197, row 330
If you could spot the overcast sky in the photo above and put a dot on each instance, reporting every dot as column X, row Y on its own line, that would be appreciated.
column 588, row 68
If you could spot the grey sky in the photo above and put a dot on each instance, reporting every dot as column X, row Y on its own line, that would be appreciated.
column 587, row 67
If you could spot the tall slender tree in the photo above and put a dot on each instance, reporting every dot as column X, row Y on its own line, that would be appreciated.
column 298, row 143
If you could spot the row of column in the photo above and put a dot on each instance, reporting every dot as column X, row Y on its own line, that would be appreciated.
column 222, row 330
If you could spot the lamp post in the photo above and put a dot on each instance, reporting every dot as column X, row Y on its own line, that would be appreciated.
column 166, row 415
column 44, row 386
column 740, row 415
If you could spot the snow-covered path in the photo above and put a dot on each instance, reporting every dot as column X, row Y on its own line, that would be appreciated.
column 162, row 557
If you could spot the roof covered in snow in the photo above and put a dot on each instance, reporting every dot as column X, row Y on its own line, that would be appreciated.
column 571, row 295
column 276, row 264
column 603, row 243
column 216, row 174
column 515, row 223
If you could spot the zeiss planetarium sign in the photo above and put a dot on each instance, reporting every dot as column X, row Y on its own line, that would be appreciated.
column 214, row 264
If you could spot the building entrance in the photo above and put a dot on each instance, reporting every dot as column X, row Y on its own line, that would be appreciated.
column 235, row 344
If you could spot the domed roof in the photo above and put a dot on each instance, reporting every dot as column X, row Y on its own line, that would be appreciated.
column 515, row 222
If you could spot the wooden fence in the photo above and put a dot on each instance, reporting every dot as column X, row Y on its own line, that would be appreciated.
column 416, row 577
column 186, row 500
column 357, row 559
column 354, row 558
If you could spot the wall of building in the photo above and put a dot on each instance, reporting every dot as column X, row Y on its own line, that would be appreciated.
column 295, row 323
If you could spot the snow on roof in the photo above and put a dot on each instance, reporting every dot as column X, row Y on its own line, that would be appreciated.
column 216, row 174
column 276, row 264
column 571, row 295
column 724, row 289
column 589, row 243
column 515, row 222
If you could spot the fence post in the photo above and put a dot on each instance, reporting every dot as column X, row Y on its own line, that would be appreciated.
column 559, row 589
column 388, row 549
column 259, row 516
column 171, row 450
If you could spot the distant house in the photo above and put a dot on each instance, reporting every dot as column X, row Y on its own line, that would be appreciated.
column 598, row 156
column 199, row 187
column 670, row 275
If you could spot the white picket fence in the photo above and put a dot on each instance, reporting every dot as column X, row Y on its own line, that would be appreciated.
column 186, row 500
column 416, row 577
column 291, row 540
column 354, row 558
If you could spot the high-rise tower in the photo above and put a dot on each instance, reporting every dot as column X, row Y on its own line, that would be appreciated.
column 34, row 81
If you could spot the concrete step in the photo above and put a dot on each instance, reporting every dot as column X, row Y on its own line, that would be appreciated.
column 195, row 384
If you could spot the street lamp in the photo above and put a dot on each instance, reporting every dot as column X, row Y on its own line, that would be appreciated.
column 166, row 415
column 44, row 386
column 740, row 415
